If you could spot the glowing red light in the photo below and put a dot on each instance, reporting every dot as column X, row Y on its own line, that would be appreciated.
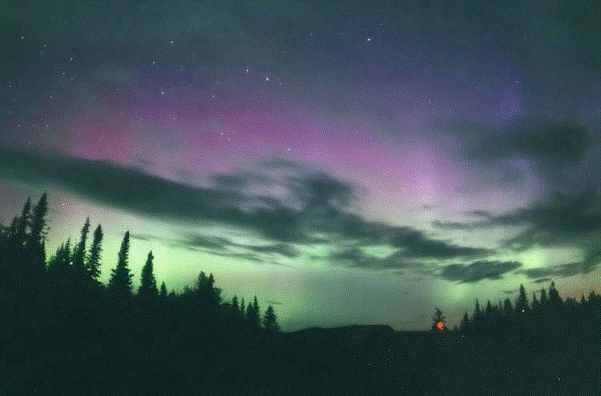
column 440, row 325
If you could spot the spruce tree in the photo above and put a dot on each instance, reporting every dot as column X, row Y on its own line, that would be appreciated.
column 208, row 294
column 23, row 223
column 93, row 262
column 270, row 320
column 253, row 314
column 507, row 307
column 535, row 303
column 120, row 284
column 163, row 292
column 148, row 291
column 554, row 298
column 38, row 221
column 35, row 249
column 543, row 297
column 478, row 316
column 242, row 307
column 61, row 259
column 465, row 323
column 235, row 304
column 521, row 304
column 80, row 249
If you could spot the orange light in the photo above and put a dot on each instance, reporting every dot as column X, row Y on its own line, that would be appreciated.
column 440, row 325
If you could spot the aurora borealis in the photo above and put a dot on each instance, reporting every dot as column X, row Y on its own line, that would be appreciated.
column 349, row 162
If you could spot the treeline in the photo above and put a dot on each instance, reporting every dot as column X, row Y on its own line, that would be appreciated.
column 547, row 316
column 63, row 331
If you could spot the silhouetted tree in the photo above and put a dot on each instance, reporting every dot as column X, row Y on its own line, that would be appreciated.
column 554, row 298
column 235, row 307
column 163, row 292
column 242, row 307
column 253, row 314
column 120, row 282
column 35, row 250
column 535, row 302
column 478, row 317
column 465, row 323
column 206, row 290
column 270, row 320
column 80, row 250
column 521, row 304
column 23, row 223
column 62, row 258
column 148, row 292
column 543, row 297
column 507, row 308
column 93, row 262
column 489, row 310
column 38, row 221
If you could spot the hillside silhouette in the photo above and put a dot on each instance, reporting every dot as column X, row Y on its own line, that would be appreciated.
column 63, row 332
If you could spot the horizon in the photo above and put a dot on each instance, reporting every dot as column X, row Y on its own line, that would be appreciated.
column 346, row 163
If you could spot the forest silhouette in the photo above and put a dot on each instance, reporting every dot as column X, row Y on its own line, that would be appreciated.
column 63, row 332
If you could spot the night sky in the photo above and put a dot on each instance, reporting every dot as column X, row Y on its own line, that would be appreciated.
column 348, row 162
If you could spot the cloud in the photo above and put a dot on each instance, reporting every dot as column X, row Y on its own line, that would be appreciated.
column 560, row 220
column 200, row 241
column 316, row 209
column 406, row 259
column 542, row 280
column 416, row 244
column 550, row 142
column 355, row 258
column 274, row 302
column 283, row 249
column 543, row 274
column 478, row 270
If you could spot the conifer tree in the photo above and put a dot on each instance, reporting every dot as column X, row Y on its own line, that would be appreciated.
column 242, row 307
column 62, row 258
column 93, row 262
column 489, row 310
column 535, row 302
column 80, row 249
column 235, row 307
column 465, row 323
column 120, row 282
column 163, row 292
column 507, row 307
column 36, row 255
column 23, row 223
column 38, row 221
column 270, row 320
column 521, row 304
column 205, row 288
column 554, row 298
column 11, row 231
column 253, row 314
column 478, row 316
column 148, row 291
column 543, row 297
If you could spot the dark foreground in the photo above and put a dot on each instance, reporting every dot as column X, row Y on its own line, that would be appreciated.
column 373, row 360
